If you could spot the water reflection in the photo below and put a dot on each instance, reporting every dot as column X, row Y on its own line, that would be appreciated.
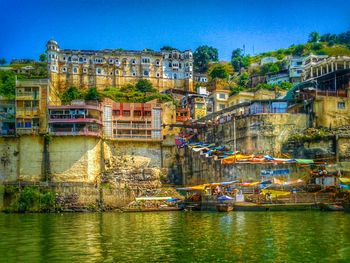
column 175, row 237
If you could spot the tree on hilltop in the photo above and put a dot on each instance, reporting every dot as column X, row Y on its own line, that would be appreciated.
column 202, row 56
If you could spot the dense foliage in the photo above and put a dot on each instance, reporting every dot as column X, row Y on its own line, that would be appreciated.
column 219, row 71
column 142, row 91
column 202, row 56
column 7, row 84
column 239, row 60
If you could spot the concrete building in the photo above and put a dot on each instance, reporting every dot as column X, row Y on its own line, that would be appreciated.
column 246, row 96
column 79, row 118
column 116, row 68
column 317, row 66
column 219, row 99
column 132, row 121
column 267, row 60
column 197, row 105
column 32, row 100
column 295, row 68
column 277, row 78
column 7, row 117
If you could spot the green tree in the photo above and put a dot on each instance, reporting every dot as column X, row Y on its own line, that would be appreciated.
column 2, row 61
column 43, row 58
column 243, row 80
column 219, row 72
column 314, row 37
column 239, row 60
column 270, row 68
column 7, row 84
column 286, row 85
column 298, row 50
column 93, row 94
column 72, row 93
column 202, row 56
column 144, row 85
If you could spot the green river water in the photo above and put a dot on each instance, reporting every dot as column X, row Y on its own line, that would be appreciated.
column 176, row 237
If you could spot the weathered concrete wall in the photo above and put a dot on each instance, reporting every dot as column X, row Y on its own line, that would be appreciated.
column 158, row 155
column 75, row 159
column 258, row 134
column 30, row 158
column 197, row 169
column 9, row 156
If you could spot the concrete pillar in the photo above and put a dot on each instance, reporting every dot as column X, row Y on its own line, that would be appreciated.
column 327, row 68
column 311, row 72
column 332, row 66
column 336, row 66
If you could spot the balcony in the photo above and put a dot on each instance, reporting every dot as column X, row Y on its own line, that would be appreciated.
column 132, row 126
column 75, row 132
column 27, row 112
column 182, row 118
column 141, row 137
column 73, row 118
column 27, row 130
column 27, row 96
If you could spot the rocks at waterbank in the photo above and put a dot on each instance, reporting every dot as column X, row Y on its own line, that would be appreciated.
column 131, row 172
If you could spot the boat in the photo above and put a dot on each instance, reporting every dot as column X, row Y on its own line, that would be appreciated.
column 331, row 207
column 151, row 209
column 224, row 207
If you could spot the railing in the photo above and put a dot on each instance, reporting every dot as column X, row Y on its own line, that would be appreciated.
column 133, row 126
column 136, row 136
column 27, row 111
column 71, row 131
column 27, row 95
column 33, row 82
column 182, row 118
column 27, row 130
column 57, row 118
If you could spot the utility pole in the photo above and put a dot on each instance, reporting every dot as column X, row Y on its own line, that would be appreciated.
column 234, row 134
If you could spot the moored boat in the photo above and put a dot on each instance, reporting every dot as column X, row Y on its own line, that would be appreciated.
column 331, row 207
column 224, row 207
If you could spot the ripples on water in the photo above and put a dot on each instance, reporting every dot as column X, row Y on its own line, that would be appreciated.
column 176, row 237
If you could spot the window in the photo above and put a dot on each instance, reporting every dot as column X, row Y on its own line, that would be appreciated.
column 111, row 73
column 157, row 62
column 158, row 74
column 126, row 113
column 84, row 70
column 146, row 60
column 133, row 61
column 117, row 72
column 64, row 69
column 116, row 112
column 117, row 61
column 341, row 105
column 222, row 96
column 175, row 76
column 75, row 70
column 146, row 73
column 148, row 113
column 200, row 106
column 111, row 61
column 134, row 73
column 169, row 64
column 98, row 71
column 80, row 59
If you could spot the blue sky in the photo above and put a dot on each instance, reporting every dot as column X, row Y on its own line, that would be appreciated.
column 136, row 24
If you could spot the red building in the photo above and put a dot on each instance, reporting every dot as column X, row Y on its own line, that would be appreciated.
column 134, row 121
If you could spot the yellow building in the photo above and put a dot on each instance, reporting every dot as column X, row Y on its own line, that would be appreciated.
column 32, row 99
column 84, row 69
column 245, row 96
column 218, row 99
